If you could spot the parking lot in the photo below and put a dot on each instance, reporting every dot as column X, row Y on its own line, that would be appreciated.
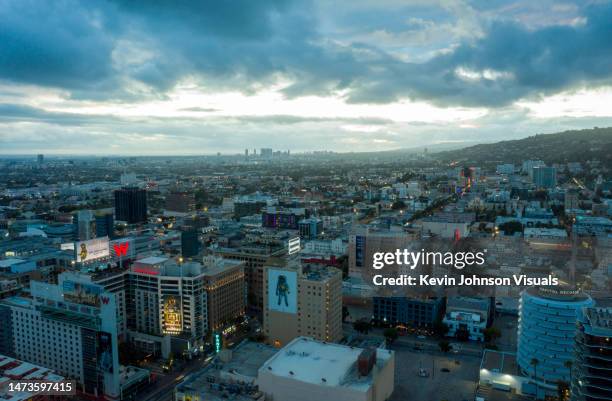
column 456, row 384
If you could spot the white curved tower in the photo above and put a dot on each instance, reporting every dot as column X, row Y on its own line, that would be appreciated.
column 546, row 330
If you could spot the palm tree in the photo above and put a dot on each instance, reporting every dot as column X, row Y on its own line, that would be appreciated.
column 534, row 362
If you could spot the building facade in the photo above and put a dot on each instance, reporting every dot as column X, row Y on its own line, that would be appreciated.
column 592, row 367
column 302, row 301
column 546, row 330
column 131, row 205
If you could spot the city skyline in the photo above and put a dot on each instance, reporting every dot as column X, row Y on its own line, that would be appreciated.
column 201, row 78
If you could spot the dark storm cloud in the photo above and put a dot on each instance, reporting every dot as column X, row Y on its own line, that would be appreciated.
column 531, row 62
column 96, row 49
column 54, row 44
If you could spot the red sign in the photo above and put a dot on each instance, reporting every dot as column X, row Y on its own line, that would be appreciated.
column 121, row 249
column 105, row 300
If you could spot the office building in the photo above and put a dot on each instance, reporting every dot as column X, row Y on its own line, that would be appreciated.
column 190, row 243
column 105, row 224
column 306, row 369
column 254, row 256
column 131, row 205
column 70, row 328
column 40, row 158
column 302, row 301
column 364, row 243
column 545, row 177
column 286, row 219
column 84, row 225
column 266, row 153
column 225, row 289
column 166, row 308
column 310, row 228
column 180, row 202
column 505, row 169
column 546, row 331
column 407, row 311
column 592, row 367
column 171, row 306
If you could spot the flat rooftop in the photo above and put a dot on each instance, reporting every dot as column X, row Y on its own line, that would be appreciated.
column 307, row 360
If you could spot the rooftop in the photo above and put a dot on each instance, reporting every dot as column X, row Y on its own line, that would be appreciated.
column 307, row 360
column 499, row 362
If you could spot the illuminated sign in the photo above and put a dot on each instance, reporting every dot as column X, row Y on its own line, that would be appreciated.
column 145, row 270
column 218, row 342
column 172, row 315
column 91, row 250
column 282, row 291
column 82, row 293
column 121, row 249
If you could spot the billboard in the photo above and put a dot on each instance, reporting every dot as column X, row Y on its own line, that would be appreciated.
column 82, row 293
column 91, row 250
column 104, row 352
column 282, row 291
column 172, row 315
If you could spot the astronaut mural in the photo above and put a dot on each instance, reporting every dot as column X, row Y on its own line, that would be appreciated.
column 282, row 291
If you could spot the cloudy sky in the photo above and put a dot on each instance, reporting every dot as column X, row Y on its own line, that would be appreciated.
column 198, row 77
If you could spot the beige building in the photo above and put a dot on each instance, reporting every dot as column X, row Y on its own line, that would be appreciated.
column 365, row 242
column 302, row 301
column 225, row 289
column 306, row 370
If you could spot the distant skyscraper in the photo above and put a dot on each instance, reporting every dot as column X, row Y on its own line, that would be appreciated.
column 131, row 205
column 592, row 367
column 545, row 177
column 105, row 224
column 266, row 152
column 546, row 330
column 246, row 153
column 40, row 159
column 84, row 225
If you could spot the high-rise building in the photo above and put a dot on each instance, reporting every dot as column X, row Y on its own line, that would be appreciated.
column 131, row 205
column 591, row 371
column 546, row 330
column 40, row 158
column 302, row 301
column 254, row 256
column 225, row 289
column 71, row 328
column 84, row 225
column 266, row 153
column 544, row 177
column 171, row 306
column 105, row 224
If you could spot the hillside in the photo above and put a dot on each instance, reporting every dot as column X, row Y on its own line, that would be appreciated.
column 563, row 147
